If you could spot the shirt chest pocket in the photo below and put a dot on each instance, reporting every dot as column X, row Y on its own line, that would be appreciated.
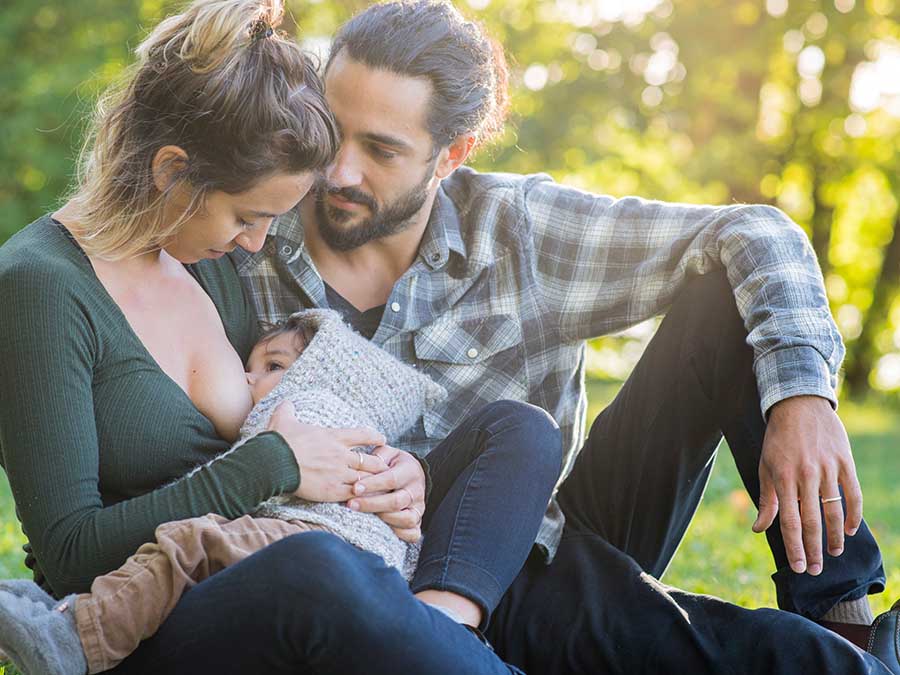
column 476, row 360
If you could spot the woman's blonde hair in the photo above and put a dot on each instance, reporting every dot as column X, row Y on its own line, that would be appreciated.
column 243, row 101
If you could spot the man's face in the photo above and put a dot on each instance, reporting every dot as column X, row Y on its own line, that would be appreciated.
column 385, row 169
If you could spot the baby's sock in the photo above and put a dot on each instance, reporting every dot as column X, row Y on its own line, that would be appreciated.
column 23, row 588
column 41, row 639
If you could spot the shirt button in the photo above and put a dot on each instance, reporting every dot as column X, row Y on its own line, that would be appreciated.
column 286, row 250
column 472, row 353
column 395, row 306
column 435, row 257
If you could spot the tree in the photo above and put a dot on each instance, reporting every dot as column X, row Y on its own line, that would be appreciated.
column 699, row 101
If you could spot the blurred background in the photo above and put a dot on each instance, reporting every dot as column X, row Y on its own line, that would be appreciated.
column 794, row 103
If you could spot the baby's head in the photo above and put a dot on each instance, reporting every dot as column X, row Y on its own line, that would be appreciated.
column 275, row 351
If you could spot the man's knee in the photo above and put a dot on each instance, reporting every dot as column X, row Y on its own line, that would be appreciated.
column 706, row 307
column 709, row 295
column 537, row 437
column 522, row 415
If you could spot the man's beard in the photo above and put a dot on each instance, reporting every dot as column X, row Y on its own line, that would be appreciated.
column 393, row 218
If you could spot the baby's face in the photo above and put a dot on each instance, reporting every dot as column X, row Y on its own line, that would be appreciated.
column 268, row 361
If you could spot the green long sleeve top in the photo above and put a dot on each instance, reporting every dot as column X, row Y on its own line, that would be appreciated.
column 94, row 436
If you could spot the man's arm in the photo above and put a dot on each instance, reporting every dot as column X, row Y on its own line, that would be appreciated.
column 605, row 264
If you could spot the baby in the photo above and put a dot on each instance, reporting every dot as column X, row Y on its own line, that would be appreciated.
column 334, row 378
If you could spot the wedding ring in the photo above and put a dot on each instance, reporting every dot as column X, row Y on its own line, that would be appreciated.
column 831, row 499
column 359, row 459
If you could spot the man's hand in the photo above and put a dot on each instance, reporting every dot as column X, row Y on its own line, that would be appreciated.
column 806, row 457
column 397, row 495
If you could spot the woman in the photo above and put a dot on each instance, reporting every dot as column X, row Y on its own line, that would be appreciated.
column 123, row 323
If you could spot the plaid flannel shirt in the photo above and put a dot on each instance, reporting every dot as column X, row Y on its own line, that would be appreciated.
column 514, row 273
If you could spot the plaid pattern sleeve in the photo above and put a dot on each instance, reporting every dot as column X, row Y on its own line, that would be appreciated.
column 605, row 264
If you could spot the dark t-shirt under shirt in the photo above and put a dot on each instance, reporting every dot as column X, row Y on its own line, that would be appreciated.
column 365, row 323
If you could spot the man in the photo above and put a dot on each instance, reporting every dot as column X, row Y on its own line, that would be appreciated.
column 492, row 283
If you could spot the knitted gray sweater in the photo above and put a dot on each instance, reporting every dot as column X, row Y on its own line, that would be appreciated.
column 343, row 380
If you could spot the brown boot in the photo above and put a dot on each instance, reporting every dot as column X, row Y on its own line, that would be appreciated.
column 881, row 639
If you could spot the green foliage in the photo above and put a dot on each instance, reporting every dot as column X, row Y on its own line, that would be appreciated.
column 57, row 57
column 12, row 558
column 698, row 101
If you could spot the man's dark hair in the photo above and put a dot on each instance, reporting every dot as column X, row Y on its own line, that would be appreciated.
column 430, row 39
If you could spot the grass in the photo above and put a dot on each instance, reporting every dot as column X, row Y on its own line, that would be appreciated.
column 719, row 555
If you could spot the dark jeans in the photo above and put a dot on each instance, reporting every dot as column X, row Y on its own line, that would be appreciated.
column 597, row 608
column 313, row 603
column 492, row 478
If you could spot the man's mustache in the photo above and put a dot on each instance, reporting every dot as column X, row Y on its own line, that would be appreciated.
column 351, row 194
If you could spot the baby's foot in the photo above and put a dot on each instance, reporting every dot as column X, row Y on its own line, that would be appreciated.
column 24, row 588
column 40, row 640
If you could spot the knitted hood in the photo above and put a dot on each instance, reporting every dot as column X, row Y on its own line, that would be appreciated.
column 383, row 392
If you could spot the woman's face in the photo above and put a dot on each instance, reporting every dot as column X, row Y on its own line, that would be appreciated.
column 229, row 221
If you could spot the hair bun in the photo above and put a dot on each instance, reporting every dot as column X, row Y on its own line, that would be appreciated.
column 260, row 30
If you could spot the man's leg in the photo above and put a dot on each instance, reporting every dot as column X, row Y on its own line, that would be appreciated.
column 640, row 476
column 594, row 610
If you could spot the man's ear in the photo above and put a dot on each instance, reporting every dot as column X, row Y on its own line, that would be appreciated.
column 167, row 162
column 454, row 155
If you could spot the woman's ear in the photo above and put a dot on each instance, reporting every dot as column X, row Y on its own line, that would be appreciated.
column 167, row 162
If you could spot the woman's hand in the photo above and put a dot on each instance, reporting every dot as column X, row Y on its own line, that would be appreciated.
column 397, row 495
column 328, row 466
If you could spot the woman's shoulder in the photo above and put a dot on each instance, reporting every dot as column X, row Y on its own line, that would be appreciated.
column 40, row 244
column 39, row 259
